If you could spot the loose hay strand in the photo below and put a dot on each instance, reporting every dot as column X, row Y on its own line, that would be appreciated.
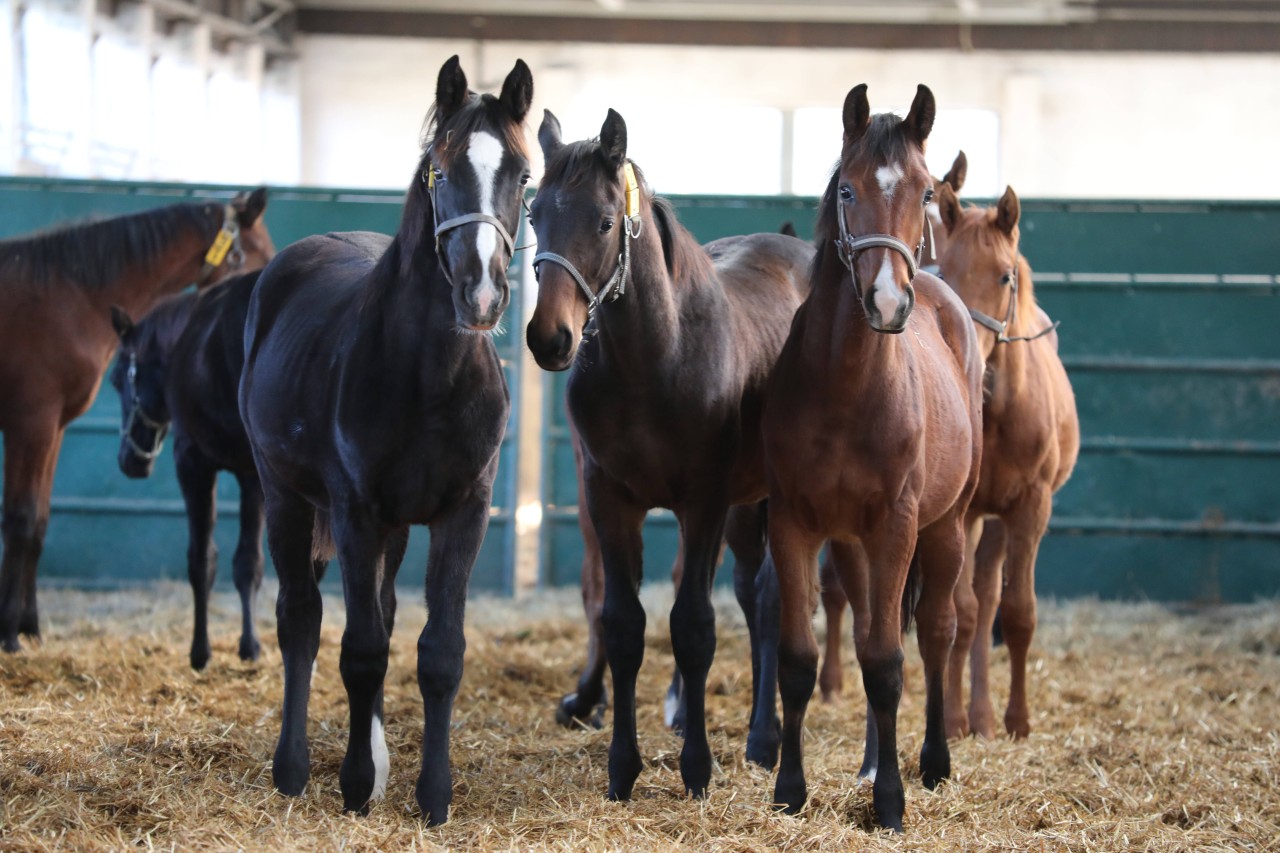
column 1151, row 731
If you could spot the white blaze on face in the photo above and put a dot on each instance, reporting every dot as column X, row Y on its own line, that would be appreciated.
column 887, row 177
column 485, row 153
column 381, row 760
column 885, row 291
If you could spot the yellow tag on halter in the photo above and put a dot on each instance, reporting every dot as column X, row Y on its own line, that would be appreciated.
column 633, row 190
column 431, row 177
column 221, row 245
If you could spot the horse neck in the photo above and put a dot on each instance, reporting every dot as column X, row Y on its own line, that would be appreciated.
column 642, row 327
column 839, row 344
column 140, row 286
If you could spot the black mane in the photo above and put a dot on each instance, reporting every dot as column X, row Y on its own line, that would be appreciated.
column 94, row 254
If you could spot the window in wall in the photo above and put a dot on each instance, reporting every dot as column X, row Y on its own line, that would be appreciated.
column 121, row 121
column 234, row 113
column 818, row 131
column 55, row 96
column 180, row 132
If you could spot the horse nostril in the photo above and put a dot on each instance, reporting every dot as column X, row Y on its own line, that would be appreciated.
column 563, row 342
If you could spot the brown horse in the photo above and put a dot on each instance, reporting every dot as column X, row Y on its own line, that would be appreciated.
column 834, row 602
column 56, row 339
column 872, row 430
column 1031, row 438
column 664, row 393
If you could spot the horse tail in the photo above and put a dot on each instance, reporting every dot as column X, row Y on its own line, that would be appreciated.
column 911, row 592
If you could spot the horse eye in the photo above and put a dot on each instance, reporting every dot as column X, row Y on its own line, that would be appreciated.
column 606, row 226
column 928, row 196
column 524, row 180
column 438, row 174
column 846, row 192
column 1006, row 279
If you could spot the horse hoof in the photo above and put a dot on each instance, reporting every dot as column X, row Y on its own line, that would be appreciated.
column 695, row 772
column 571, row 714
column 249, row 650
column 29, row 626
column 622, row 777
column 199, row 659
column 11, row 645
column 762, row 749
column 790, row 798
column 290, row 776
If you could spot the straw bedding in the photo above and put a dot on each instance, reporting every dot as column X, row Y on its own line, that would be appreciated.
column 1152, row 731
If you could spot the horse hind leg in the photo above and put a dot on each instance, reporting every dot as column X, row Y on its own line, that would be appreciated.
column 247, row 563
column 755, row 583
column 941, row 549
column 675, row 710
column 850, row 574
column 834, row 604
column 197, row 477
column 989, row 561
column 30, row 457
column 967, row 609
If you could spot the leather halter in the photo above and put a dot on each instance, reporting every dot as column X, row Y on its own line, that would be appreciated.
column 136, row 414
column 429, row 176
column 226, row 246
column 632, row 226
column 848, row 247
column 1001, row 326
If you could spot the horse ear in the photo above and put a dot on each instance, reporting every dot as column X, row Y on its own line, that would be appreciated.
column 1008, row 211
column 948, row 207
column 549, row 136
column 249, row 208
column 959, row 169
column 923, row 110
column 613, row 139
column 121, row 322
column 451, row 89
column 857, row 113
column 517, row 91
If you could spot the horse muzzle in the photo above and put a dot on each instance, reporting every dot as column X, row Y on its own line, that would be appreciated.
column 895, row 324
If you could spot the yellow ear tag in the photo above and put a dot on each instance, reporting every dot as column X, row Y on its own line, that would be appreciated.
column 431, row 177
column 221, row 245
column 633, row 191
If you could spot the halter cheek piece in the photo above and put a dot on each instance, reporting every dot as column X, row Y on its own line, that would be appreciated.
column 1000, row 327
column 848, row 247
column 632, row 226
column 137, row 415
column 226, row 247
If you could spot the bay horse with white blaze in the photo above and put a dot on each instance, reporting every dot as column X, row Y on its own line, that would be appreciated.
column 374, row 399
column 56, row 340
column 872, row 430
column 180, row 367
column 665, row 393
column 1031, row 438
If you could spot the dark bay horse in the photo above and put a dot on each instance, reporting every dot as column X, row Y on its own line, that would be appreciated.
column 180, row 366
column 872, row 430
column 834, row 602
column 56, row 340
column 374, row 399
column 664, row 394
column 1031, row 438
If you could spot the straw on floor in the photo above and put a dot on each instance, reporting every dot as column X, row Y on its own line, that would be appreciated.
column 1152, row 731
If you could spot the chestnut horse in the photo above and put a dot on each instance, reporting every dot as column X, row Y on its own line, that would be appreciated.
column 56, row 340
column 872, row 431
column 1031, row 438
column 834, row 602
column 374, row 398
column 180, row 365
column 664, row 394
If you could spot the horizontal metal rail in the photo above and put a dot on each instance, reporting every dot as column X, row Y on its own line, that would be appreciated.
column 77, row 505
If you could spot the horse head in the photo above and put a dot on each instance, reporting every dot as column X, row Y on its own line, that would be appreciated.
column 584, row 214
column 473, row 172
column 878, row 197
column 981, row 261
column 138, row 377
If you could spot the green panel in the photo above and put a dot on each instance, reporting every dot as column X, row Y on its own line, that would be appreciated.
column 95, row 506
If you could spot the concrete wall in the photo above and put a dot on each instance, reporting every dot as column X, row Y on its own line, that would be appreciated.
column 1070, row 124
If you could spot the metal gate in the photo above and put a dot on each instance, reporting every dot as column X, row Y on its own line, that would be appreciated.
column 106, row 530
column 1168, row 312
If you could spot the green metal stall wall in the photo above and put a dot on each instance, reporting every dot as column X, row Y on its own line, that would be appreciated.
column 106, row 530
column 1169, row 314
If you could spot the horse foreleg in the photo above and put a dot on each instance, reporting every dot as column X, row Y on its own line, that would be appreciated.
column 198, row 477
column 30, row 456
column 363, row 662
column 941, row 552
column 889, row 551
column 455, row 544
column 966, row 605
column 988, row 566
column 834, row 603
column 299, row 609
column 693, row 635
column 618, row 521
column 1023, row 531
column 794, row 552
column 847, row 562
column 586, row 705
column 246, row 565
